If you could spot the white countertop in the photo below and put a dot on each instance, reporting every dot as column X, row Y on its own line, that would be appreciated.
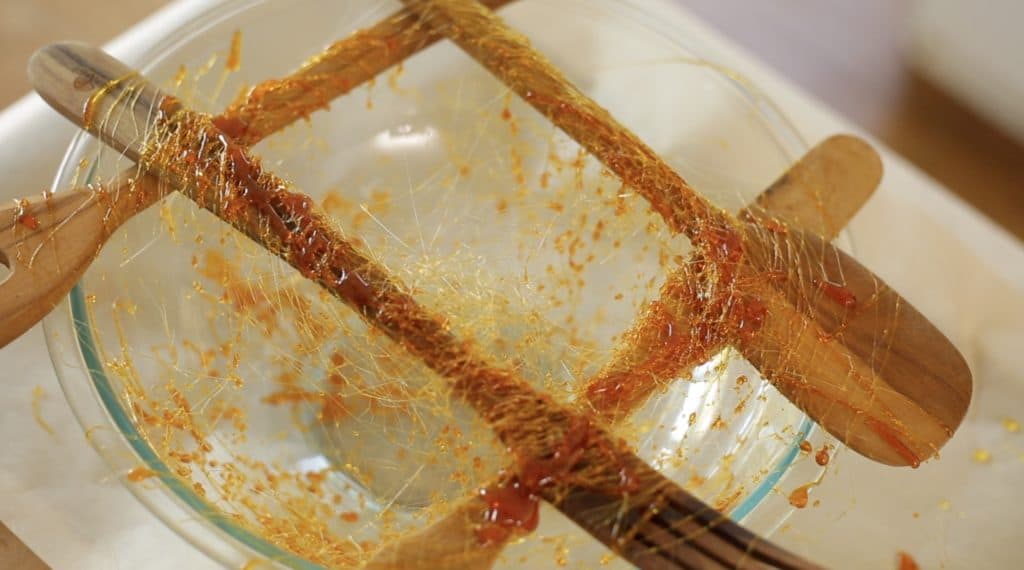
column 955, row 266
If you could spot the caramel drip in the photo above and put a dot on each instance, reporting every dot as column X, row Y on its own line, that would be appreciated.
column 93, row 103
column 234, row 60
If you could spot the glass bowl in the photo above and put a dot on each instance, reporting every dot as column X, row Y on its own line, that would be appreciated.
column 264, row 422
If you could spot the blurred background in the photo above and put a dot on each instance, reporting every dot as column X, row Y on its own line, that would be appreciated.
column 939, row 81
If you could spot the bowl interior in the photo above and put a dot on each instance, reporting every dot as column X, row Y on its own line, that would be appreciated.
column 298, row 434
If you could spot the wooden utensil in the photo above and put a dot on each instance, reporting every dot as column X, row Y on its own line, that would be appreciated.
column 820, row 193
column 29, row 294
column 607, row 490
column 22, row 220
column 16, row 554
column 836, row 177
column 35, row 230
column 833, row 337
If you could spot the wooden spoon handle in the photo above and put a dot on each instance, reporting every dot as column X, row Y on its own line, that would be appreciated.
column 101, row 94
column 822, row 191
column 343, row 66
column 664, row 527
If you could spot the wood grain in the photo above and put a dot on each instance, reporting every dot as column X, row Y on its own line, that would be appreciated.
column 822, row 192
column 15, row 554
column 48, row 243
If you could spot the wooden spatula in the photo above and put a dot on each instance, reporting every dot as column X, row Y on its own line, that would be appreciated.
column 835, row 339
column 820, row 193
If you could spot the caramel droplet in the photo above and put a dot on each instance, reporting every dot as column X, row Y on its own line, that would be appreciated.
column 234, row 61
column 1011, row 425
column 180, row 76
column 906, row 561
column 140, row 474
column 822, row 456
column 29, row 221
column 798, row 498
column 838, row 293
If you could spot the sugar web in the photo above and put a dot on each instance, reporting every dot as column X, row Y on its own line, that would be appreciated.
column 263, row 297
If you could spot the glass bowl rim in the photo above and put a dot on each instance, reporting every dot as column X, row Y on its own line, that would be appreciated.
column 173, row 494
